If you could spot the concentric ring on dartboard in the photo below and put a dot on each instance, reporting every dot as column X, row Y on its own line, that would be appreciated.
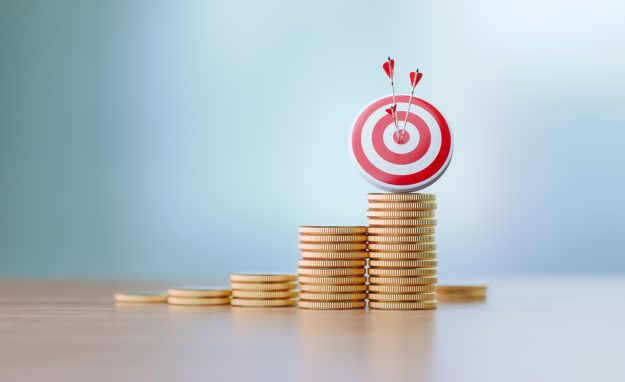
column 417, row 150
column 416, row 162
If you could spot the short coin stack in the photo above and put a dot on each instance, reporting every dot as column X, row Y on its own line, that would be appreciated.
column 332, row 268
column 198, row 296
column 402, row 251
column 263, row 290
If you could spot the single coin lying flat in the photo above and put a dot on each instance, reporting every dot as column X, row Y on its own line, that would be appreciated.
column 141, row 297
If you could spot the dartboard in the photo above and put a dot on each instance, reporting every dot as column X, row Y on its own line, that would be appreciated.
column 404, row 162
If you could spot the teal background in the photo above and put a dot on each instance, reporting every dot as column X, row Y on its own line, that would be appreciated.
column 190, row 139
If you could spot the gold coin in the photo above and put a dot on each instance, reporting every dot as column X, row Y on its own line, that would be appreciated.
column 329, row 272
column 332, row 230
column 332, row 247
column 403, row 255
column 403, row 272
column 402, row 263
column 361, row 255
column 423, row 280
column 264, row 295
column 263, row 286
column 332, row 296
column 332, row 238
column 402, row 288
column 198, row 301
column 333, row 288
column 331, row 305
column 401, row 197
column 398, row 214
column 462, row 290
column 402, row 239
column 198, row 292
column 398, row 305
column 321, row 280
column 401, row 231
column 262, row 303
column 331, row 263
column 261, row 278
column 402, row 247
column 141, row 297
column 405, row 206
column 402, row 296
column 402, row 222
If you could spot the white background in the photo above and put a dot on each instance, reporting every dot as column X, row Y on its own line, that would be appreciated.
column 189, row 139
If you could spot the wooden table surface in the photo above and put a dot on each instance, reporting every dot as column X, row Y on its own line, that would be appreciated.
column 529, row 329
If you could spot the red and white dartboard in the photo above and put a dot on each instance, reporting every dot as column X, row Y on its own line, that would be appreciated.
column 401, row 165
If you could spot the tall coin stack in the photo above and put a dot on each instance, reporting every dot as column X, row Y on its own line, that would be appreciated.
column 263, row 290
column 402, row 251
column 332, row 268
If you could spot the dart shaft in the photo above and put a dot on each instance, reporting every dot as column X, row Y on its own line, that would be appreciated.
column 401, row 132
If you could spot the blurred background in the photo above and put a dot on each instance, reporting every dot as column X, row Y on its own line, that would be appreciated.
column 190, row 139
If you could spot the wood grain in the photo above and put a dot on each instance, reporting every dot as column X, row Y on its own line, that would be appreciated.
column 528, row 329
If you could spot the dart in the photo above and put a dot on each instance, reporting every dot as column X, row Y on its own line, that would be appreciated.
column 389, row 69
column 415, row 77
column 392, row 110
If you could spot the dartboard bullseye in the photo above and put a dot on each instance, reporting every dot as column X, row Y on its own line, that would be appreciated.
column 404, row 162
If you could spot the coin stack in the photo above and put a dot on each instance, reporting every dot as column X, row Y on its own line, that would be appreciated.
column 402, row 251
column 263, row 290
column 198, row 296
column 332, row 268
